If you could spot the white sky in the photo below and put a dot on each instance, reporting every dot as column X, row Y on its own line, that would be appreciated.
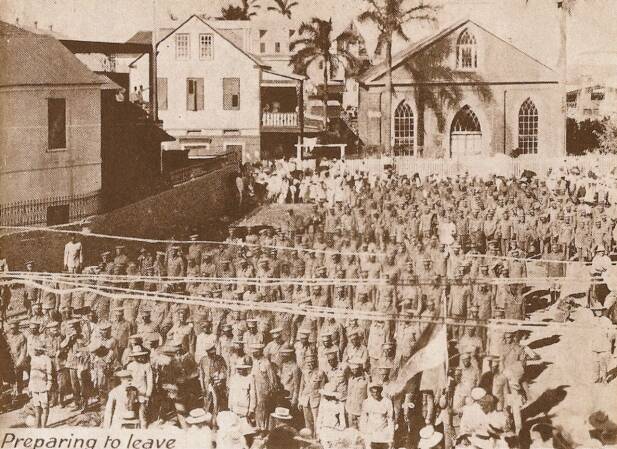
column 532, row 26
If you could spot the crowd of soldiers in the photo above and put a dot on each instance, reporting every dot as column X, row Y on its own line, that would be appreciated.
column 414, row 251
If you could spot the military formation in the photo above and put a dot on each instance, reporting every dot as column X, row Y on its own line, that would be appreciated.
column 411, row 251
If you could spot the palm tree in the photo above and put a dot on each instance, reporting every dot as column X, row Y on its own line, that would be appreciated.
column 283, row 7
column 316, row 45
column 243, row 12
column 437, row 86
column 389, row 16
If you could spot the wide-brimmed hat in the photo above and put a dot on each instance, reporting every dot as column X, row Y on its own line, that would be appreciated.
column 429, row 437
column 477, row 393
column 281, row 413
column 121, row 374
column 198, row 416
column 137, row 351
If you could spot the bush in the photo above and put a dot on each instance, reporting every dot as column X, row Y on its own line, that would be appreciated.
column 607, row 137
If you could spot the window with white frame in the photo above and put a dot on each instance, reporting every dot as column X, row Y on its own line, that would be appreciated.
column 528, row 128
column 466, row 51
column 205, row 46
column 404, row 125
column 183, row 46
column 277, row 47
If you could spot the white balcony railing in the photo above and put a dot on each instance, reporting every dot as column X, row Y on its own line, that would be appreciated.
column 282, row 119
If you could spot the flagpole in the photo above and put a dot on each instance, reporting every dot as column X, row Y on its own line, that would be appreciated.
column 154, row 109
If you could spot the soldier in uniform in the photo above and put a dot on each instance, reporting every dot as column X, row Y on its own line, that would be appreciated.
column 289, row 374
column 31, row 294
column 311, row 382
column 120, row 330
column 243, row 391
column 77, row 362
column 18, row 350
column 272, row 349
column 357, row 384
column 213, row 380
column 265, row 384
column 182, row 331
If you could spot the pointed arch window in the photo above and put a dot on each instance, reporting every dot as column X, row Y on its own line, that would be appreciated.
column 528, row 127
column 466, row 51
column 404, row 132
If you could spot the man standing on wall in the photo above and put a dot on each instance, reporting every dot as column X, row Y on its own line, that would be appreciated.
column 73, row 255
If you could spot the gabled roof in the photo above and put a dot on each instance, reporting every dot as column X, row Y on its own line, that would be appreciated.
column 252, row 57
column 382, row 68
column 34, row 59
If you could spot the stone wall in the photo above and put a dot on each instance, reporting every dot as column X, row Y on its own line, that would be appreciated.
column 201, row 205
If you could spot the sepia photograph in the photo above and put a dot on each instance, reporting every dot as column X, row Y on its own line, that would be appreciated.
column 308, row 224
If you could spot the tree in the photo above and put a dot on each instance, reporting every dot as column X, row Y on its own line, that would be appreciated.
column 243, row 12
column 437, row 86
column 389, row 16
column 283, row 7
column 607, row 138
column 316, row 45
column 582, row 137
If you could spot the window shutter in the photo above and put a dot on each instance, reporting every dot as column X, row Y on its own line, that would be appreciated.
column 200, row 94
column 231, row 93
column 189, row 88
column 161, row 93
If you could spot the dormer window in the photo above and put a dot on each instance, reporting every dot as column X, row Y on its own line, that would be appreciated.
column 466, row 51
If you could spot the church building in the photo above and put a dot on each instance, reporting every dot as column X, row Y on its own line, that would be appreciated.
column 464, row 92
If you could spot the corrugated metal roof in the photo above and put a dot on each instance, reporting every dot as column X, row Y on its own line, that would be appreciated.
column 32, row 59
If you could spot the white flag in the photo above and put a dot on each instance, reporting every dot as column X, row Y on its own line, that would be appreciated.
column 433, row 355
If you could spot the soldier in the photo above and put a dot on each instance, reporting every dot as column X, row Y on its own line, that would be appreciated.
column 376, row 338
column 40, row 383
column 121, row 260
column 52, row 348
column 459, row 301
column 289, row 374
column 34, row 335
column 73, row 255
column 311, row 382
column 213, row 380
column 120, row 330
column 205, row 336
column 31, row 294
column 252, row 335
column 603, row 337
column 302, row 346
column 242, row 391
column 225, row 344
column 356, row 350
column 18, row 350
column 77, row 362
column 265, row 383
column 182, row 331
column 195, row 249
column 356, row 392
column 103, row 362
column 176, row 265
column 120, row 402
column 272, row 349
column 377, row 419
column 335, row 372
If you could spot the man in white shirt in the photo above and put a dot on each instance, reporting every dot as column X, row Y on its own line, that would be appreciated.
column 73, row 255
